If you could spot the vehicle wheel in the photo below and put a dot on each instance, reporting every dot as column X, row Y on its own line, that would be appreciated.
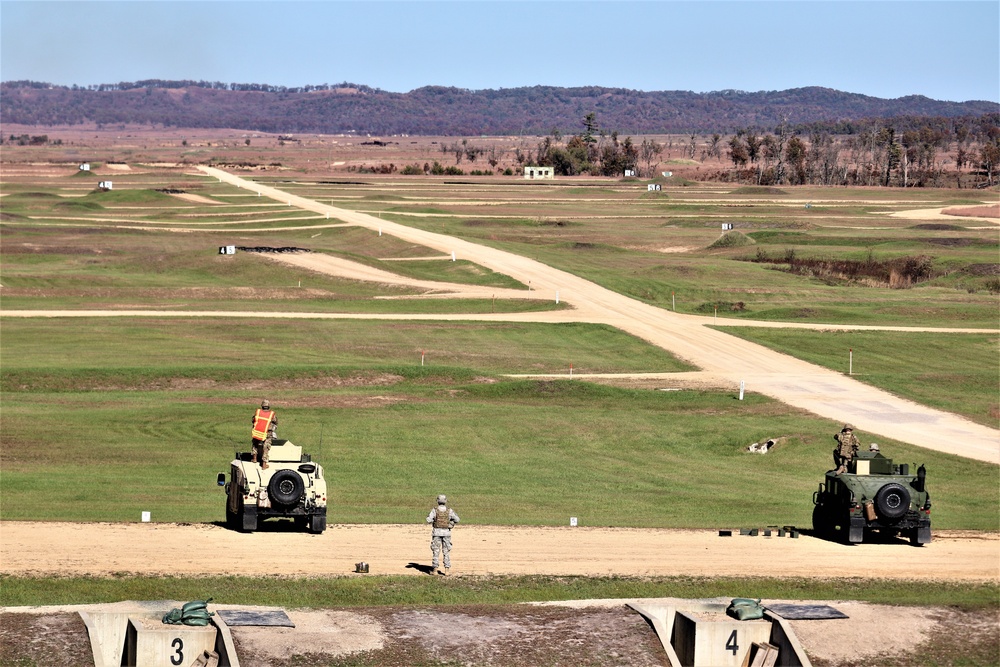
column 285, row 487
column 892, row 501
column 231, row 520
column 821, row 522
column 317, row 523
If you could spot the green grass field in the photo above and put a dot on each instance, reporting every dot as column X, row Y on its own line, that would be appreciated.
column 105, row 417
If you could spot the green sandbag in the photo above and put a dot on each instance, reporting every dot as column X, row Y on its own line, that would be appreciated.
column 745, row 609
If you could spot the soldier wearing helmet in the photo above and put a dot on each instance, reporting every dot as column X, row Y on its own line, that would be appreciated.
column 265, row 422
column 847, row 447
column 443, row 519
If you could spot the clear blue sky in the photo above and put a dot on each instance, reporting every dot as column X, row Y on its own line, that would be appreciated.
column 947, row 50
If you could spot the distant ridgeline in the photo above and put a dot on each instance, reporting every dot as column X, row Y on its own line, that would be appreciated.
column 436, row 110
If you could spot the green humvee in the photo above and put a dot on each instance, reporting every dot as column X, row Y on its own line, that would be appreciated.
column 292, row 486
column 874, row 494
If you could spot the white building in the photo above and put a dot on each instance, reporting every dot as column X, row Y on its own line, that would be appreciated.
column 539, row 172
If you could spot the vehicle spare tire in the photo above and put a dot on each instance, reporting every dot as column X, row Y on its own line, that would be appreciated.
column 285, row 487
column 892, row 501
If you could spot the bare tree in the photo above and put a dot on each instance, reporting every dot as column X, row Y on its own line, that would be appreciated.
column 649, row 152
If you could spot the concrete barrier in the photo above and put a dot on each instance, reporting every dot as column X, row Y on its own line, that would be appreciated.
column 700, row 634
column 138, row 637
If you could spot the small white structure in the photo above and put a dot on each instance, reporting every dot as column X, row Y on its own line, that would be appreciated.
column 653, row 187
column 227, row 250
column 726, row 226
column 85, row 166
column 104, row 185
column 630, row 172
column 539, row 172
column 667, row 174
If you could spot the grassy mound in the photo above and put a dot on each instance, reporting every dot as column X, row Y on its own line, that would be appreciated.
column 733, row 239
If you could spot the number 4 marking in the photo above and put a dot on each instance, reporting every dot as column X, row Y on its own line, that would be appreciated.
column 731, row 644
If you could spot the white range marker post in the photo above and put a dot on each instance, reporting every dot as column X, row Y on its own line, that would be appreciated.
column 421, row 357
column 453, row 255
column 557, row 296
column 850, row 361
column 572, row 521
column 742, row 387
column 673, row 302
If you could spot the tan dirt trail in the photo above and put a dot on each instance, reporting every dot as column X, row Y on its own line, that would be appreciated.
column 103, row 549
column 798, row 383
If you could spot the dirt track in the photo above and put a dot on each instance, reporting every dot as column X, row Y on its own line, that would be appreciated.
column 206, row 549
column 798, row 383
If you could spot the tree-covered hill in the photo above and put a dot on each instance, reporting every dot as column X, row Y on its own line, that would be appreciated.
column 436, row 110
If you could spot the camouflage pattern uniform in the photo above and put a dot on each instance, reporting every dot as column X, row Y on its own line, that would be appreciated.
column 847, row 447
column 443, row 518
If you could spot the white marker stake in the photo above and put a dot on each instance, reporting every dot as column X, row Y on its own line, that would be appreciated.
column 258, row 194
column 380, row 231
column 453, row 255
column 571, row 370
column 850, row 362
column 572, row 521
column 557, row 296
column 145, row 517
column 673, row 303
column 421, row 357
column 716, row 315
column 742, row 385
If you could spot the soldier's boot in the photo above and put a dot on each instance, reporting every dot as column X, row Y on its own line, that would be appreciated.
column 253, row 458
column 265, row 466
column 447, row 571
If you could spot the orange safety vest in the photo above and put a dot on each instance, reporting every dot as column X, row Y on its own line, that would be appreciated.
column 261, row 423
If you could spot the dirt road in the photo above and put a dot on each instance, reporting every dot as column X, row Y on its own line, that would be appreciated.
column 798, row 383
column 67, row 549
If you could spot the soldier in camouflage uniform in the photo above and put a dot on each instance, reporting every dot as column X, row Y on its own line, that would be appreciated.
column 443, row 518
column 847, row 447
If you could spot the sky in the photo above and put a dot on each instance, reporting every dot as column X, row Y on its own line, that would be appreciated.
column 945, row 50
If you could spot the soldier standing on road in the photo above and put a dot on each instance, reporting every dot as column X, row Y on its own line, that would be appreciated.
column 443, row 518
column 847, row 447
column 264, row 424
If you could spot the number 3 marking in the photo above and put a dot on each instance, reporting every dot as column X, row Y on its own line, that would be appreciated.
column 179, row 657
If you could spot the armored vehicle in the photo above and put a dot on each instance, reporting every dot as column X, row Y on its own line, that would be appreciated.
column 874, row 494
column 292, row 486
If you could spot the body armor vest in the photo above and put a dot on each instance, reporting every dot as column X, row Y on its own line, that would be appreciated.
column 441, row 518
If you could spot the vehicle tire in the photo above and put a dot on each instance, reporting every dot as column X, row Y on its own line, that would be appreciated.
column 822, row 526
column 231, row 520
column 317, row 523
column 285, row 488
column 892, row 501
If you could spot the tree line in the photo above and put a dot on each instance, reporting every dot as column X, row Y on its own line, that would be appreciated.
column 444, row 111
column 876, row 154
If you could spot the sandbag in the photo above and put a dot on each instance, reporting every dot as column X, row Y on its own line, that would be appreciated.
column 191, row 613
column 745, row 609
